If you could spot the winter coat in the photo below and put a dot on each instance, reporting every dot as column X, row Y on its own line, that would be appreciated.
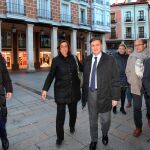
column 67, row 83
column 121, row 61
column 108, row 87
column 146, row 77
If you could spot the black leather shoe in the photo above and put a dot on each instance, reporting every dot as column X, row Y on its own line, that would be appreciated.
column 105, row 139
column 115, row 110
column 72, row 130
column 5, row 143
column 93, row 146
column 59, row 142
column 123, row 111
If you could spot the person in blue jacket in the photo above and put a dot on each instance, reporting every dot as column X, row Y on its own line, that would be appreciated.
column 121, row 59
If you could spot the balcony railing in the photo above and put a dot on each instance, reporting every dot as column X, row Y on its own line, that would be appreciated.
column 65, row 18
column 128, row 19
column 113, row 21
column 128, row 36
column 140, row 18
column 142, row 35
column 44, row 14
column 99, row 1
column 83, row 22
column 15, row 9
column 113, row 36
column 85, row 1
column 98, row 23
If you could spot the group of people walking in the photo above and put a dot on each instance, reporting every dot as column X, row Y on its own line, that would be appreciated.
column 106, row 80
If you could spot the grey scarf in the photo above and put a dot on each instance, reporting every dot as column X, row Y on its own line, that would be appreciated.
column 142, row 55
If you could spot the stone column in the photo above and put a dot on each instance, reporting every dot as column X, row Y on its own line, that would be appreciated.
column 74, row 42
column 88, row 47
column 29, row 45
column 54, row 41
column 103, row 43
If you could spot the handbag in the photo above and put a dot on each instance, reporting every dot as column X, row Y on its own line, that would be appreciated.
column 80, row 74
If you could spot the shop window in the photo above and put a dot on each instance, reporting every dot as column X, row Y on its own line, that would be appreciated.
column 21, row 40
column 7, row 57
column 22, row 60
column 45, row 41
column 45, row 59
column 6, row 40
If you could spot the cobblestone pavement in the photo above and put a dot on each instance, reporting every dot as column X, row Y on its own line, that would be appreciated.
column 31, row 123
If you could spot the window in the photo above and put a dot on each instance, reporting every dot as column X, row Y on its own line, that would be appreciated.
column 98, row 17
column 128, row 16
column 113, row 16
column 6, row 40
column 65, row 16
column 82, row 16
column 21, row 40
column 44, row 9
column 15, row 7
column 141, row 15
column 45, row 41
column 141, row 32
column 113, row 32
column 128, row 32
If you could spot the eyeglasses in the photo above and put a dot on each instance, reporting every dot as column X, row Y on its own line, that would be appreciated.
column 138, row 45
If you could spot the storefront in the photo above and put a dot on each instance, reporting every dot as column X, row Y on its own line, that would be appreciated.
column 8, row 58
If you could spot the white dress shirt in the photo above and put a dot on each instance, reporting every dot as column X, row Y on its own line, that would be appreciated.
column 93, row 59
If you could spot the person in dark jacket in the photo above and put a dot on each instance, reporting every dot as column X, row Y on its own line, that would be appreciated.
column 121, row 58
column 66, row 88
column 5, row 94
column 146, row 86
column 101, row 90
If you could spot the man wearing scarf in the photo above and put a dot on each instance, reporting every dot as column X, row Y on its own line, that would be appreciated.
column 134, row 72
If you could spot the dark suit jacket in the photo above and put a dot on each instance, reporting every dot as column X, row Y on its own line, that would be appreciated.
column 146, row 77
column 108, row 87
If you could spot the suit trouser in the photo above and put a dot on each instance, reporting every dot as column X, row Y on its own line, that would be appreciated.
column 137, row 105
column 3, row 117
column 60, row 118
column 105, row 118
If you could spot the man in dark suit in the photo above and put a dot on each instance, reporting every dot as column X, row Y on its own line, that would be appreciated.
column 101, row 90
column 5, row 93
column 146, row 85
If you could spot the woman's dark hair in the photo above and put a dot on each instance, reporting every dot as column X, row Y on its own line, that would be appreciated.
column 64, row 41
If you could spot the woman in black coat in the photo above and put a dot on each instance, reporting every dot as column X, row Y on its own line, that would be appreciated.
column 66, row 88
column 121, row 59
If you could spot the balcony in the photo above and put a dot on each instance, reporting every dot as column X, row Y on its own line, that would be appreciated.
column 65, row 18
column 84, row 1
column 128, row 36
column 113, row 21
column 97, row 23
column 44, row 14
column 128, row 19
column 15, row 9
column 141, row 18
column 83, row 22
column 113, row 36
column 142, row 35
column 99, row 1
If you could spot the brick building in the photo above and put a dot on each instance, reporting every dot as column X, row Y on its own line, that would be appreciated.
column 31, row 29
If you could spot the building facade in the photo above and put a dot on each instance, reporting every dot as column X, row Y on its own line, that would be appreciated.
column 31, row 30
column 134, row 23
